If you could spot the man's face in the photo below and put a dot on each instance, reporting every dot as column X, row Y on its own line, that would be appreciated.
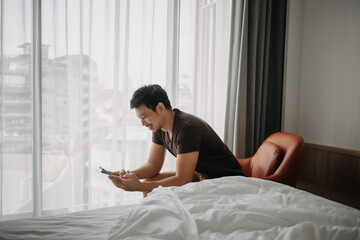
column 148, row 118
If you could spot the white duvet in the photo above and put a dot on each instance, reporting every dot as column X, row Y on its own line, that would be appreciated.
column 224, row 208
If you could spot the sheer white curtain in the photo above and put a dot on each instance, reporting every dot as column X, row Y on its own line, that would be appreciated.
column 95, row 53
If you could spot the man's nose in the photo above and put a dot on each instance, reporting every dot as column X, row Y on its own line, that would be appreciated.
column 143, row 122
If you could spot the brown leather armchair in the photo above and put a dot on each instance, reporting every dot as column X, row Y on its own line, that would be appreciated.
column 277, row 159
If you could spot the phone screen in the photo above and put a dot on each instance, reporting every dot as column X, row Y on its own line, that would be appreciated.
column 104, row 171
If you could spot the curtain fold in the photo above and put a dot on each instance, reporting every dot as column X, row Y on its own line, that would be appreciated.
column 255, row 77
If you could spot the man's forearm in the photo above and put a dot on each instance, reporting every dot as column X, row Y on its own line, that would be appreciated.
column 167, row 182
column 145, row 171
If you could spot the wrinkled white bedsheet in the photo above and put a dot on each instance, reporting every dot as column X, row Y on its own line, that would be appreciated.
column 224, row 208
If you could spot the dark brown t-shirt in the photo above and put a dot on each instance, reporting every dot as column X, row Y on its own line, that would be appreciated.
column 192, row 134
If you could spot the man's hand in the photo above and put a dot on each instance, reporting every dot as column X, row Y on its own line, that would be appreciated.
column 126, row 181
column 117, row 173
column 121, row 173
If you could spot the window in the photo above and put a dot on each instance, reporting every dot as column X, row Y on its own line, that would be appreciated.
column 94, row 55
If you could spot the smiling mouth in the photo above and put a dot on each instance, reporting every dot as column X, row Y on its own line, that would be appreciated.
column 149, row 126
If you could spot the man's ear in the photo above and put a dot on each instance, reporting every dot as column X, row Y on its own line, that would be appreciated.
column 160, row 107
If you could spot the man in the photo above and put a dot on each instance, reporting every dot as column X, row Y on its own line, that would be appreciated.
column 199, row 151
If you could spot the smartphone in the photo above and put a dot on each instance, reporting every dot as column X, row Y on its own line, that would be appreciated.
column 104, row 171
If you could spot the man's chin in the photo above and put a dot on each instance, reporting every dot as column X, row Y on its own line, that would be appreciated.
column 151, row 128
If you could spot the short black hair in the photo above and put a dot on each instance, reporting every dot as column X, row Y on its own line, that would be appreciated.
column 150, row 96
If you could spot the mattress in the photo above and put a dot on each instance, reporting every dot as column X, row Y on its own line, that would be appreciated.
column 224, row 208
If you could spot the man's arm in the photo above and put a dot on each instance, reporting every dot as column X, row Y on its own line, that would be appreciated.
column 153, row 164
column 185, row 168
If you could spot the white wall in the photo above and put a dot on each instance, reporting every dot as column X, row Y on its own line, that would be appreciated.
column 322, row 75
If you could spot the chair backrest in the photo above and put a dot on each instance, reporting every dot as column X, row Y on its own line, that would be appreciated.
column 277, row 159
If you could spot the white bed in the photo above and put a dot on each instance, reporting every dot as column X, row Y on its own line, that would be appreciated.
column 224, row 208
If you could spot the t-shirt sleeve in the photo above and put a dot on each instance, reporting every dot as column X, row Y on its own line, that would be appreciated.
column 156, row 138
column 189, row 140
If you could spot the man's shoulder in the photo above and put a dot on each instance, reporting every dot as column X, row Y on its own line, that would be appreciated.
column 188, row 120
